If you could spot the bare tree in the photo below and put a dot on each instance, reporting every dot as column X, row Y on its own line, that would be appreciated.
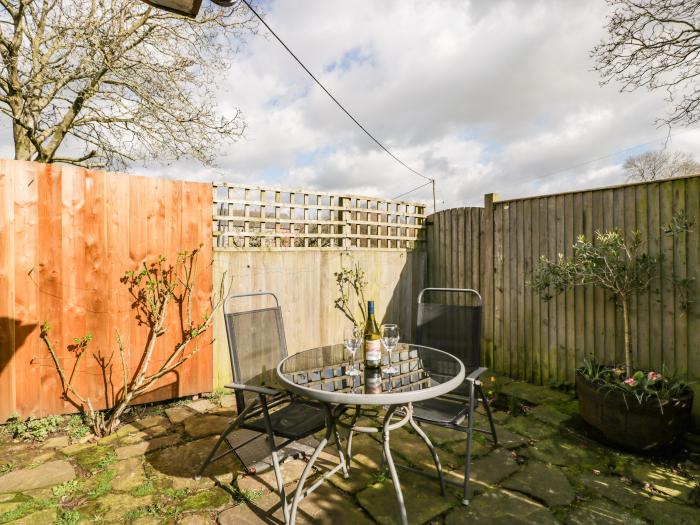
column 660, row 164
column 104, row 82
column 655, row 44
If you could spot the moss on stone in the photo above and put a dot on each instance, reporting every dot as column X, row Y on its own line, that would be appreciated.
column 207, row 499
column 96, row 457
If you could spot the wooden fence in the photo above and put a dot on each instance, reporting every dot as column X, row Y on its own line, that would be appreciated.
column 66, row 237
column 265, row 217
column 495, row 248
column 303, row 280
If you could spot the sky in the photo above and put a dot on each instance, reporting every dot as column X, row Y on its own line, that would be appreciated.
column 483, row 96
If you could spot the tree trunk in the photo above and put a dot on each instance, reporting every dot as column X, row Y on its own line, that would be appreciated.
column 628, row 335
column 23, row 146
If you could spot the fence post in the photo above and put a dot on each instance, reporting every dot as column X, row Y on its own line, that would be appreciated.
column 487, row 275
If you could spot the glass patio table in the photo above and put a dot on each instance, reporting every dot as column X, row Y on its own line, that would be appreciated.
column 319, row 374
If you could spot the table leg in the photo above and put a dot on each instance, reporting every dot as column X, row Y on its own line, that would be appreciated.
column 339, row 448
column 436, row 459
column 348, row 455
column 390, row 463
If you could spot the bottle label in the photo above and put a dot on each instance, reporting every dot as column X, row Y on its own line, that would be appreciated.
column 373, row 350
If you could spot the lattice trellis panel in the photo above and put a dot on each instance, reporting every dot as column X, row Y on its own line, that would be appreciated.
column 266, row 217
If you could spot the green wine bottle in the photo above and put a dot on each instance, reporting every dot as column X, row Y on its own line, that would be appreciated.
column 372, row 343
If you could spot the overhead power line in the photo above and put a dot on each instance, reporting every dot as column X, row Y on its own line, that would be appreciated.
column 411, row 191
column 363, row 128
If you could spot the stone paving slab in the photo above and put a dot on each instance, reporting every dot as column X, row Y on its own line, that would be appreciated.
column 658, row 479
column 614, row 489
column 145, row 447
column 602, row 512
column 46, row 475
column 548, row 414
column 543, row 483
column 563, row 451
column 178, row 414
column 179, row 464
column 266, row 482
column 530, row 428
column 422, row 499
column 205, row 425
column 501, row 507
column 663, row 512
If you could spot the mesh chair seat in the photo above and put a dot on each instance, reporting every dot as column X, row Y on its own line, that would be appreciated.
column 293, row 421
column 439, row 410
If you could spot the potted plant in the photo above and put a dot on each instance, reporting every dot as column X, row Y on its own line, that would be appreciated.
column 632, row 408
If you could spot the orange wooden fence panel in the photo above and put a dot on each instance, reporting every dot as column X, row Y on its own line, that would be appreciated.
column 67, row 235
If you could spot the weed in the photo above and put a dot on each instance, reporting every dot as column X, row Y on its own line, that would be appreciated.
column 110, row 457
column 380, row 476
column 104, row 484
column 66, row 489
column 246, row 495
column 216, row 395
column 25, row 508
column 33, row 429
column 176, row 493
column 76, row 428
column 7, row 467
column 67, row 517
column 145, row 489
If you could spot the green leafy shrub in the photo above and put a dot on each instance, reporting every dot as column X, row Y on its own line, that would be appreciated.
column 33, row 429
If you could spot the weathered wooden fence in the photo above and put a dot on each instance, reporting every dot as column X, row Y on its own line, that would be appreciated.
column 66, row 237
column 304, row 282
column 291, row 242
column 495, row 248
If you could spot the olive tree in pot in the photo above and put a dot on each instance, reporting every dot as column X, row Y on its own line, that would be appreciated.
column 632, row 408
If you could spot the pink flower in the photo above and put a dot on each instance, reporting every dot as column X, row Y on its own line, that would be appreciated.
column 630, row 381
column 654, row 376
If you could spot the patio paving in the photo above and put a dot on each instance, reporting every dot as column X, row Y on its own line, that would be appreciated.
column 546, row 471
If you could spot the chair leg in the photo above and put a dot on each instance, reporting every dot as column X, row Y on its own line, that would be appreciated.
column 489, row 415
column 275, row 459
column 470, row 435
column 223, row 436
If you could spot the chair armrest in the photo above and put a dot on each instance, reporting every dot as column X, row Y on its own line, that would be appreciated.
column 253, row 388
column 474, row 376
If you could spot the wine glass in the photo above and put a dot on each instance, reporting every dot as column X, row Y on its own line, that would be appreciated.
column 352, row 339
column 390, row 338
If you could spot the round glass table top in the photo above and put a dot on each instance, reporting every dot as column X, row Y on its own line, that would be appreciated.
column 321, row 374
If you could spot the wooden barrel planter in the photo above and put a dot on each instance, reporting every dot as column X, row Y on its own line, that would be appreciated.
column 643, row 427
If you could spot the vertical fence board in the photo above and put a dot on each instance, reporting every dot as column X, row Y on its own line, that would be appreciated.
column 693, row 261
column 8, row 321
column 680, row 348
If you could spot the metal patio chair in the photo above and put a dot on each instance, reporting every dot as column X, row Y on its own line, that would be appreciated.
column 456, row 329
column 257, row 343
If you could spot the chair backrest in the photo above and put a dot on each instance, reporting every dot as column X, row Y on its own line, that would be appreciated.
column 256, row 340
column 454, row 328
